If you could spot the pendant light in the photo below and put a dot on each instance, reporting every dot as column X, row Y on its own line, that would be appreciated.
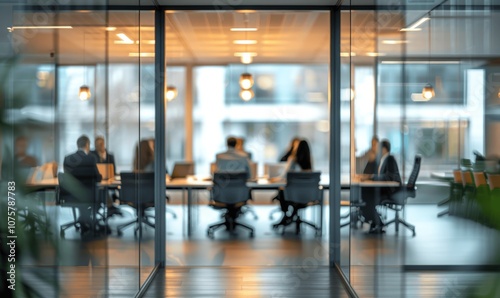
column 246, row 94
column 171, row 93
column 84, row 93
column 246, row 79
column 428, row 90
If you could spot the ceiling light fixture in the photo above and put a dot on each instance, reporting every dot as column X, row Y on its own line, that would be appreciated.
column 347, row 54
column 125, row 38
column 374, row 54
column 243, row 29
column 143, row 55
column 246, row 79
column 110, row 29
column 414, row 26
column 246, row 94
column 171, row 93
column 428, row 90
column 10, row 29
column 244, row 41
column 84, row 92
column 391, row 41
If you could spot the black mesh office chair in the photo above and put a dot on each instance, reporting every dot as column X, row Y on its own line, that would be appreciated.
column 77, row 194
column 303, row 190
column 137, row 190
column 229, row 193
column 397, row 201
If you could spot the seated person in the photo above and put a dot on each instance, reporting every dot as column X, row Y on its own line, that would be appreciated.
column 240, row 146
column 102, row 155
column 293, row 144
column 83, row 166
column 372, row 196
column 299, row 160
column 232, row 160
column 22, row 158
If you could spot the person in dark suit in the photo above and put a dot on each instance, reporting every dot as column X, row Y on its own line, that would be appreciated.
column 387, row 171
column 83, row 167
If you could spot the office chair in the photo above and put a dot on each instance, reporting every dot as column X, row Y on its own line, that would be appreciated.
column 76, row 193
column 397, row 201
column 229, row 193
column 301, row 191
column 137, row 190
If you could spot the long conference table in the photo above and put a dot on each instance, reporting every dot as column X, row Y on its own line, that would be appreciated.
column 194, row 183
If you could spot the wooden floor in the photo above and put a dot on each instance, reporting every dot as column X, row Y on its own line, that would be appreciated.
column 235, row 266
column 219, row 282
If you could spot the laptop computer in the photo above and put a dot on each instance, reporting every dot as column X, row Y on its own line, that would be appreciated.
column 182, row 170
column 273, row 170
column 106, row 170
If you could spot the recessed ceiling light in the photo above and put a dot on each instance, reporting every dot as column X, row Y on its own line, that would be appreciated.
column 373, row 54
column 245, row 41
column 110, row 28
column 420, row 62
column 141, row 54
column 392, row 41
column 239, row 54
column 125, row 38
column 414, row 26
column 10, row 29
column 243, row 29
column 246, row 11
column 346, row 54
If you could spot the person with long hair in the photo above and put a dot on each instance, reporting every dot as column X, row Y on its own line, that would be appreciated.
column 144, row 156
column 298, row 161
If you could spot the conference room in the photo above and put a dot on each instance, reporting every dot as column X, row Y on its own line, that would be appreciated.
column 173, row 79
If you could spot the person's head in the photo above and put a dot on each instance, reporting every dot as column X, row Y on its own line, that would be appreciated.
column 386, row 146
column 21, row 145
column 83, row 143
column 99, row 144
column 303, row 155
column 231, row 142
column 240, row 142
column 375, row 142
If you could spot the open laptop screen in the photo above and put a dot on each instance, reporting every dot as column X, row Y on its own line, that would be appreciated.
column 182, row 170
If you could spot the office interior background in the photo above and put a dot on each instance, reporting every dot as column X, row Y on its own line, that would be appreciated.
column 389, row 50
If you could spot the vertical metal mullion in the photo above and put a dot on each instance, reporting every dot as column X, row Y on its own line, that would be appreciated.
column 334, row 191
column 160, row 226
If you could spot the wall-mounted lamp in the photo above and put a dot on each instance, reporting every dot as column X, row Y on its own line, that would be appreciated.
column 171, row 93
column 84, row 93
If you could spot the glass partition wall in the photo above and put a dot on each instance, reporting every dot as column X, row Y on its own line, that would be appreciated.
column 394, row 53
column 207, row 52
column 57, row 54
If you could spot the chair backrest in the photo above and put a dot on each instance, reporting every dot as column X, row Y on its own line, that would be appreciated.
column 230, row 188
column 457, row 176
column 137, row 187
column 467, row 178
column 494, row 181
column 480, row 179
column 412, row 180
column 302, row 187
column 72, row 191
